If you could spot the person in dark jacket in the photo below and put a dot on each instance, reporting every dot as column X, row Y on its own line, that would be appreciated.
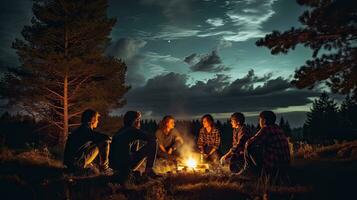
column 125, row 154
column 235, row 155
column 85, row 144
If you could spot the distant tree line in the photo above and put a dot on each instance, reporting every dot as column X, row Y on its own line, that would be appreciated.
column 327, row 121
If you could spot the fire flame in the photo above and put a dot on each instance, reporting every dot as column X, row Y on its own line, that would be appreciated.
column 191, row 163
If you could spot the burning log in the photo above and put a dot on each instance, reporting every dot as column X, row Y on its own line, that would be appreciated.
column 192, row 165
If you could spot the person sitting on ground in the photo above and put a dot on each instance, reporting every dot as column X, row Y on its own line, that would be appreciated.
column 123, row 157
column 267, row 152
column 209, row 139
column 241, row 133
column 84, row 145
column 169, row 138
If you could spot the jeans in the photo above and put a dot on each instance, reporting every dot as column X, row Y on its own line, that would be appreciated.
column 137, row 158
column 89, row 151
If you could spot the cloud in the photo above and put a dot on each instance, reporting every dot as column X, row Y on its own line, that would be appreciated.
column 128, row 49
column 153, row 56
column 171, row 94
column 245, row 84
column 141, row 65
column 215, row 22
column 190, row 59
column 214, row 85
column 169, row 32
column 203, row 34
column 235, row 21
column 206, row 63
column 172, row 9
column 224, row 44
column 125, row 48
column 156, row 63
column 248, row 17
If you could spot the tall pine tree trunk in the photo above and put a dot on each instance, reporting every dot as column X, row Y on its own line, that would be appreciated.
column 65, row 110
column 65, row 91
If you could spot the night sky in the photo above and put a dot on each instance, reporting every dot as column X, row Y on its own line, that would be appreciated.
column 191, row 57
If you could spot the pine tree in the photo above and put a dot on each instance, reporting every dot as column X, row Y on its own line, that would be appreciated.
column 348, row 115
column 329, row 29
column 282, row 122
column 63, row 67
column 322, row 121
column 285, row 126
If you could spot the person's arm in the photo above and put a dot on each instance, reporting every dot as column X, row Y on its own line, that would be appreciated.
column 158, row 135
column 234, row 141
column 212, row 151
column 257, row 139
column 138, row 134
column 217, row 141
column 227, row 155
column 200, row 141
column 162, row 148
column 242, row 140
column 178, row 140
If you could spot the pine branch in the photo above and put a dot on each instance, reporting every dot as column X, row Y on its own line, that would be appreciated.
column 75, row 114
column 54, row 106
column 71, row 96
column 53, row 92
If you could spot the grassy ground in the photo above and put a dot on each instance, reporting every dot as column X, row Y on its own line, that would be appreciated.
column 36, row 175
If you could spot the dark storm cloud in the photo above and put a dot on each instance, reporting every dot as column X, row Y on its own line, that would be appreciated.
column 171, row 94
column 246, row 83
column 128, row 49
column 206, row 63
column 190, row 59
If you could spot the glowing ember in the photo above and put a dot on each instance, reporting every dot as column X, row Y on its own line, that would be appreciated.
column 191, row 163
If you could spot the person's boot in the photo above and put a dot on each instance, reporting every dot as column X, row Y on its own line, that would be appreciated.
column 107, row 171
column 91, row 170
column 151, row 174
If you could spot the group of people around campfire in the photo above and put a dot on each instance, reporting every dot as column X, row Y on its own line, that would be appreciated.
column 267, row 151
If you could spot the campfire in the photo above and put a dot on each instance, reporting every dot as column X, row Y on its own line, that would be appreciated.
column 189, row 161
column 189, row 164
column 192, row 164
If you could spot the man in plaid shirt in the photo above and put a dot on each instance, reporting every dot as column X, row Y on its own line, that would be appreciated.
column 268, row 150
column 209, row 139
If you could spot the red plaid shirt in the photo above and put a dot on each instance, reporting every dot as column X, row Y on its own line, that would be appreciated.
column 212, row 139
column 275, row 146
column 240, row 136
